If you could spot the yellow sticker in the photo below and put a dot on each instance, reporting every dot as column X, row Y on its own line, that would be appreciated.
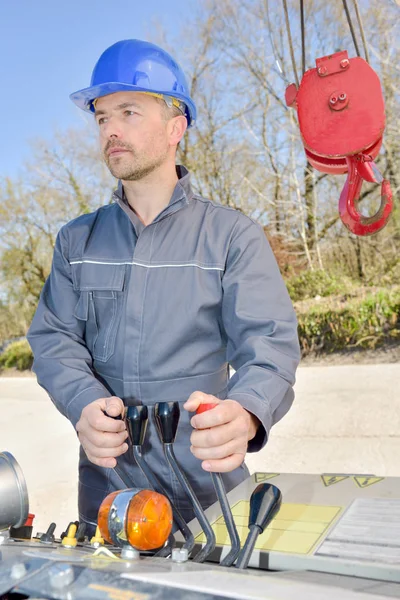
column 297, row 528
column 260, row 477
column 366, row 480
column 332, row 479
column 117, row 594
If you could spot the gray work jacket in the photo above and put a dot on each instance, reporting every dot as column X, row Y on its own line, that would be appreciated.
column 153, row 313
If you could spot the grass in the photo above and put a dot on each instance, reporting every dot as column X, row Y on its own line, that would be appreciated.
column 367, row 318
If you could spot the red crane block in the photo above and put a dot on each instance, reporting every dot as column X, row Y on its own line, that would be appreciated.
column 341, row 115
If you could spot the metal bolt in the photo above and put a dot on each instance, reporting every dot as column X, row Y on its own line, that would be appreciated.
column 322, row 70
column 180, row 555
column 333, row 100
column 61, row 576
column 342, row 97
column 344, row 63
column 129, row 553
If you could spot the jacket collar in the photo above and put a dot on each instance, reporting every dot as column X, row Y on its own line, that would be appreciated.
column 181, row 196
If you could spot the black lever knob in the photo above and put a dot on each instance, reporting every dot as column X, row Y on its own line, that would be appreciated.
column 48, row 537
column 265, row 503
column 167, row 419
column 136, row 423
column 80, row 534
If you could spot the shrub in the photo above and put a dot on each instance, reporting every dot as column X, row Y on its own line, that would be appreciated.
column 310, row 284
column 365, row 322
column 18, row 355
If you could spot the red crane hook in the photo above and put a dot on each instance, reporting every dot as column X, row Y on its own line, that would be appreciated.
column 361, row 167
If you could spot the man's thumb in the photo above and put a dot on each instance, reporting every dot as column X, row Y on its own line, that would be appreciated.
column 114, row 407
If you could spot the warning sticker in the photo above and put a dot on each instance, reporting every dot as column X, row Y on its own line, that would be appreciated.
column 297, row 528
column 260, row 477
column 364, row 481
column 332, row 479
column 368, row 530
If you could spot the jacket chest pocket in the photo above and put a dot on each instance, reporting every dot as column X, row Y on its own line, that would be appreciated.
column 101, row 291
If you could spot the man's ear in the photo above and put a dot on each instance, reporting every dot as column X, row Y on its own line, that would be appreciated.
column 177, row 128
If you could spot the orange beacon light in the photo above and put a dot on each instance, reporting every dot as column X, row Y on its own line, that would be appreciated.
column 141, row 519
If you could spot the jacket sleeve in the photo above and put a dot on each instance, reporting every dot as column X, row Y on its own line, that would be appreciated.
column 62, row 362
column 261, row 327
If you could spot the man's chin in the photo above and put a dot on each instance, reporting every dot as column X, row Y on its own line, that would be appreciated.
column 122, row 173
column 118, row 174
column 128, row 175
column 133, row 175
column 128, row 172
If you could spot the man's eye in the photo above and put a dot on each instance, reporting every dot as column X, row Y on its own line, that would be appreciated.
column 129, row 113
column 101, row 121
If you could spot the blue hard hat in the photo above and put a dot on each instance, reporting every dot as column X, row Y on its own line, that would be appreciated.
column 136, row 66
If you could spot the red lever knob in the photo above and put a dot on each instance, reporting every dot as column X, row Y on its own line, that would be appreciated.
column 29, row 521
column 204, row 407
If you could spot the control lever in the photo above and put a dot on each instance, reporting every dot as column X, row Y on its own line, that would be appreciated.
column 226, row 509
column 167, row 419
column 64, row 533
column 48, row 537
column 136, row 424
column 126, row 480
column 265, row 503
column 80, row 534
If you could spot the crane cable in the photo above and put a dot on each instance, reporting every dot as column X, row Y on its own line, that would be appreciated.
column 285, row 8
column 360, row 24
column 303, row 44
column 303, row 41
column 350, row 22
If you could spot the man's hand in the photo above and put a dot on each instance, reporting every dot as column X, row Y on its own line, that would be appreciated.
column 222, row 433
column 103, row 438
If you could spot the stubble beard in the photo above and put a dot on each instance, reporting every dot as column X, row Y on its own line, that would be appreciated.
column 128, row 168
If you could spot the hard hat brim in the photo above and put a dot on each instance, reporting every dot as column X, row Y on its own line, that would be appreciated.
column 84, row 98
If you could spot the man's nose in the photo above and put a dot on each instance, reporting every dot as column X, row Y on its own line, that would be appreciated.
column 112, row 128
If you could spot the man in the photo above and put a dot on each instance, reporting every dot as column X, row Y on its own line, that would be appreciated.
column 152, row 297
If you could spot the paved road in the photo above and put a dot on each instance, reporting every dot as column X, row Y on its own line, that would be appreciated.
column 346, row 419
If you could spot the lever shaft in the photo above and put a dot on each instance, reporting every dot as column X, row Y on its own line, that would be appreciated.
column 225, row 507
column 167, row 418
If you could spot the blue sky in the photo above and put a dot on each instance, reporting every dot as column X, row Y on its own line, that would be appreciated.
column 48, row 49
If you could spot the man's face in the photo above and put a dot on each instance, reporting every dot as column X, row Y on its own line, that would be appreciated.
column 134, row 134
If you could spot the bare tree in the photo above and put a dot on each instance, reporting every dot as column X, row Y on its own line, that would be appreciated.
column 63, row 180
